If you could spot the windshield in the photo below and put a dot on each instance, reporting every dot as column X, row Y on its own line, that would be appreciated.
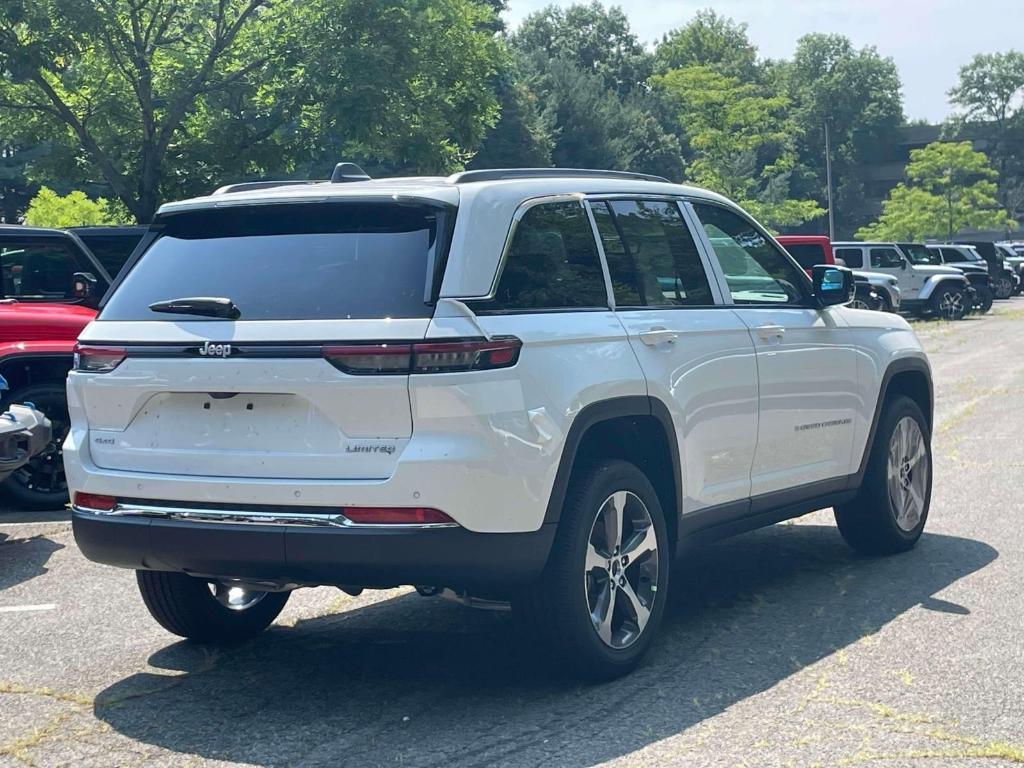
column 289, row 262
column 919, row 254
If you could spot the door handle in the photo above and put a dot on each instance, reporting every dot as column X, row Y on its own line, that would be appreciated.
column 769, row 332
column 658, row 335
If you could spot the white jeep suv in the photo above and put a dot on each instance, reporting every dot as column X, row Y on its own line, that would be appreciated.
column 536, row 387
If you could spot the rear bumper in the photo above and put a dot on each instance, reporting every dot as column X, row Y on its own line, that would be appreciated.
column 369, row 557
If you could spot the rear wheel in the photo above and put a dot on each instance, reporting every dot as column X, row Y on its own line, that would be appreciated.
column 41, row 483
column 891, row 508
column 603, row 593
column 207, row 611
column 949, row 302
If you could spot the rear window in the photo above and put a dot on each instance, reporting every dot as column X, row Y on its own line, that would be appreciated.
column 807, row 255
column 290, row 262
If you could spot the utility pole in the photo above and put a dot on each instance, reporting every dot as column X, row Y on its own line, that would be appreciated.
column 828, row 182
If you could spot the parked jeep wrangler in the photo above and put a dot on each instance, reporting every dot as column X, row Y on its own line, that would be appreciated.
column 529, row 386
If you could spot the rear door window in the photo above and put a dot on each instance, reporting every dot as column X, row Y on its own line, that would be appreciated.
column 551, row 264
column 652, row 257
column 290, row 262
column 111, row 251
column 38, row 269
column 852, row 257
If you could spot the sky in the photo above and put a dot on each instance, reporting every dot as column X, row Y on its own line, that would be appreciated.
column 928, row 39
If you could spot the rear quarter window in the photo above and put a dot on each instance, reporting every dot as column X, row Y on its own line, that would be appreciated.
column 290, row 262
column 807, row 255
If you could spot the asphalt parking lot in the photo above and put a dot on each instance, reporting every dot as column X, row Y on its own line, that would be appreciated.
column 779, row 647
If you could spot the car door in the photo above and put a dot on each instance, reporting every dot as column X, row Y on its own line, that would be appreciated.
column 886, row 258
column 807, row 366
column 696, row 355
column 39, row 268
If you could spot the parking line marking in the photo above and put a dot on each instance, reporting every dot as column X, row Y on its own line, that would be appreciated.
column 21, row 608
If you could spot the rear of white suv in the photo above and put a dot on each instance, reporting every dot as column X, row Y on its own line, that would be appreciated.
column 532, row 387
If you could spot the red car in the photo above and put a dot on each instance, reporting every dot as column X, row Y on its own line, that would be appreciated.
column 808, row 250
column 51, row 285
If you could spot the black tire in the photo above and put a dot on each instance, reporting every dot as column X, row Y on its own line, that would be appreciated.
column 1003, row 287
column 41, row 483
column 184, row 605
column 557, row 608
column 869, row 522
column 983, row 299
column 949, row 302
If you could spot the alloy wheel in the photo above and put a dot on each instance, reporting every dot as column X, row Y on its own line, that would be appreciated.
column 859, row 304
column 951, row 305
column 234, row 597
column 621, row 571
column 908, row 473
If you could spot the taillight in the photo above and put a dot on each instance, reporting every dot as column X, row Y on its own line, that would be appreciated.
column 424, row 356
column 90, row 359
column 396, row 516
column 95, row 501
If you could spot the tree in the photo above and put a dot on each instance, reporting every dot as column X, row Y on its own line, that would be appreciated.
column 123, row 77
column 709, row 40
column 15, row 187
column 949, row 188
column 741, row 141
column 597, row 40
column 167, row 98
column 858, row 93
column 523, row 136
column 48, row 209
column 990, row 91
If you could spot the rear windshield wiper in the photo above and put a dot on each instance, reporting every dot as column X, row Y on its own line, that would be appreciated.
column 207, row 306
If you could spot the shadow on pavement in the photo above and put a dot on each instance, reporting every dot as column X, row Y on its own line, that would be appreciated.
column 24, row 559
column 421, row 682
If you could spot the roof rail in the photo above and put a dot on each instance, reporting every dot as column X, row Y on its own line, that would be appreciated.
column 248, row 186
column 499, row 174
column 346, row 172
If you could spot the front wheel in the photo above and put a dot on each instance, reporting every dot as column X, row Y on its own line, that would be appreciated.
column 603, row 593
column 891, row 507
column 208, row 611
column 949, row 302
column 983, row 300
column 1003, row 287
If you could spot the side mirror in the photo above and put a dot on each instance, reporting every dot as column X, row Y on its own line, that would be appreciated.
column 83, row 285
column 903, row 264
column 832, row 285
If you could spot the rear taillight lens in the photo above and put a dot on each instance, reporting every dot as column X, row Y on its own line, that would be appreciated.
column 367, row 359
column 95, row 501
column 396, row 516
column 424, row 356
column 90, row 359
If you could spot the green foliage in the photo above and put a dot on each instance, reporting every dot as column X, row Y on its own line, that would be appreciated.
column 595, row 39
column 709, row 40
column 48, row 209
column 949, row 188
column 523, row 136
column 990, row 91
column 741, row 140
column 169, row 99
column 858, row 93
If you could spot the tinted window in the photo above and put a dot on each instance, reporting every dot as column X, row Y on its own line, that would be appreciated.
column 552, row 262
column 807, row 255
column 39, row 269
column 652, row 257
column 919, row 254
column 757, row 272
column 295, row 262
column 852, row 257
column 886, row 258
column 111, row 252
column 952, row 254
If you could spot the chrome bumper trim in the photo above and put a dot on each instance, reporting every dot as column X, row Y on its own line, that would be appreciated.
column 243, row 517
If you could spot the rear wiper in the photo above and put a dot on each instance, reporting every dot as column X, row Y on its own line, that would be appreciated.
column 207, row 306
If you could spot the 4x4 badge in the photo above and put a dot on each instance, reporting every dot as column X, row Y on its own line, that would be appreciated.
column 209, row 349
